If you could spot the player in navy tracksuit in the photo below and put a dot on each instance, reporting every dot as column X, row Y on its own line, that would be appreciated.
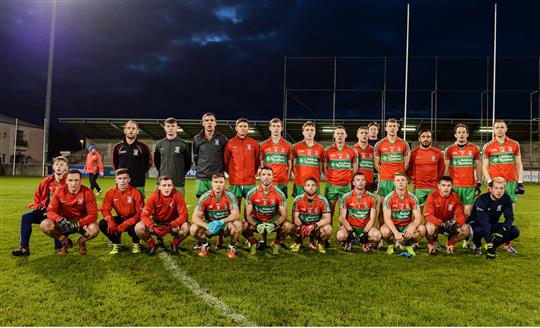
column 484, row 219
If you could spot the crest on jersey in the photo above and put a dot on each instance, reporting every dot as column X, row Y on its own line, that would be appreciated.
column 80, row 201
column 135, row 152
column 433, row 158
column 129, row 200
column 177, row 149
column 171, row 205
column 450, row 206
column 216, row 142
column 248, row 146
column 499, row 208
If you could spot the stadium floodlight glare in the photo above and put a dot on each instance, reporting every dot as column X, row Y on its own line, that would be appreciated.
column 485, row 129
column 327, row 129
column 409, row 128
column 179, row 130
column 252, row 131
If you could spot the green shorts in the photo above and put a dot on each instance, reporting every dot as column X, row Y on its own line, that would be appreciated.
column 202, row 186
column 241, row 191
column 332, row 192
column 283, row 188
column 401, row 228
column 422, row 194
column 511, row 190
column 358, row 230
column 385, row 187
column 466, row 194
column 299, row 190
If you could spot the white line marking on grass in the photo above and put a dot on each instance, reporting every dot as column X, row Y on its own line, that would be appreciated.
column 192, row 285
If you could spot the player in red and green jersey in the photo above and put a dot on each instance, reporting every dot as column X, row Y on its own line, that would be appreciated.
column 266, row 211
column 402, row 217
column 311, row 217
column 502, row 158
column 276, row 153
column 341, row 162
column 365, row 157
column 462, row 161
column 358, row 211
column 216, row 213
column 308, row 159
column 426, row 165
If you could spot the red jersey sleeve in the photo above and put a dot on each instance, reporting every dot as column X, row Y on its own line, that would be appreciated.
column 147, row 212
column 227, row 157
column 181, row 209
column 441, row 164
column 91, row 209
column 53, row 210
column 106, row 206
column 100, row 163
column 139, row 204
column 459, row 213
column 41, row 195
column 410, row 169
column 429, row 210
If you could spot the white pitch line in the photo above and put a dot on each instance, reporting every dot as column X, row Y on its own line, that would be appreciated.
column 192, row 285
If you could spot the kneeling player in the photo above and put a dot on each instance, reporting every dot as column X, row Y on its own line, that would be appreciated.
column 311, row 217
column 216, row 213
column 484, row 219
column 72, row 209
column 165, row 212
column 402, row 217
column 357, row 214
column 128, row 203
column 444, row 213
column 266, row 211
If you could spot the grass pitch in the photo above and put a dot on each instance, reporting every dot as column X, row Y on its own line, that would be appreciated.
column 304, row 289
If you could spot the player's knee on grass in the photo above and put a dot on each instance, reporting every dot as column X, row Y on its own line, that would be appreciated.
column 420, row 232
column 342, row 234
column 386, row 232
column 286, row 228
column 141, row 230
column 235, row 227
column 463, row 232
column 325, row 232
column 182, row 231
column 431, row 230
column 467, row 209
column 92, row 230
column 47, row 226
column 374, row 235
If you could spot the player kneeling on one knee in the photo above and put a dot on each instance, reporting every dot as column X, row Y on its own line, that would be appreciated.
column 165, row 212
column 444, row 213
column 311, row 217
column 72, row 209
column 357, row 213
column 266, row 211
column 402, row 217
column 216, row 214
column 127, row 202
column 484, row 219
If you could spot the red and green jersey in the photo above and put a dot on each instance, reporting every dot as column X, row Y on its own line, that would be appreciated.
column 265, row 204
column 340, row 164
column 461, row 164
column 216, row 208
column 365, row 161
column 310, row 210
column 277, row 156
column 401, row 208
column 392, row 157
column 358, row 207
column 502, row 158
column 308, row 161
column 425, row 167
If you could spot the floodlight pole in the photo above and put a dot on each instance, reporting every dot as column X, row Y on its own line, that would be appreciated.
column 383, row 112
column 494, row 70
column 406, row 78
column 285, row 98
column 334, row 95
column 15, row 147
column 531, row 128
column 49, row 88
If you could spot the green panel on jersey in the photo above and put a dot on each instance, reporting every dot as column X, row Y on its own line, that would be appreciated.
column 401, row 215
column 365, row 163
column 358, row 213
column 392, row 157
column 339, row 164
column 273, row 158
column 504, row 158
column 304, row 160
column 465, row 161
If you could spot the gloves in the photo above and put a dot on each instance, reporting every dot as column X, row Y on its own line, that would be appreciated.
column 162, row 230
column 266, row 226
column 362, row 237
column 112, row 228
column 450, row 228
column 307, row 229
column 66, row 226
column 497, row 236
column 477, row 190
column 520, row 190
column 122, row 227
column 215, row 227
column 491, row 253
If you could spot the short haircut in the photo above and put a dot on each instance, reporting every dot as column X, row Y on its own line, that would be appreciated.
column 445, row 178
column 121, row 171
column 498, row 180
column 363, row 127
column 170, row 120
column 373, row 124
column 310, row 179
column 461, row 125
column 60, row 159
column 275, row 120
column 399, row 174
column 164, row 178
column 267, row 168
column 339, row 127
column 132, row 122
column 218, row 176
column 424, row 131
column 308, row 123
column 241, row 120
column 358, row 174
column 75, row 171
column 208, row 114
column 500, row 121
column 392, row 120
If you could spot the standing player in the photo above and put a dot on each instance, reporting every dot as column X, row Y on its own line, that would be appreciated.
column 341, row 162
column 402, row 217
column 72, row 209
column 308, row 159
column 462, row 160
column 208, row 147
column 266, row 212
column 426, row 166
column 358, row 210
column 311, row 218
column 216, row 213
column 133, row 155
column 42, row 197
column 484, row 220
column 365, row 157
column 373, row 133
column 94, row 168
column 276, row 154
column 172, row 155
column 241, row 159
column 444, row 214
column 164, row 212
column 391, row 156
column 127, row 202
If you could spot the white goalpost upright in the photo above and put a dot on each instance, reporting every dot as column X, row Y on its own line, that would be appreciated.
column 406, row 77
column 494, row 69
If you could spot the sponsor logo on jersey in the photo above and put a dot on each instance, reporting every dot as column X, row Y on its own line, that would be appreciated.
column 135, row 152
column 129, row 200
column 177, row 149
column 80, row 201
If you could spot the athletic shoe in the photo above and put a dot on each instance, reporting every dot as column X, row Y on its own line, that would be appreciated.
column 347, row 247
column 64, row 249
column 432, row 248
column 405, row 254
column 466, row 244
column 197, row 245
column 175, row 243
column 326, row 243
column 21, row 251
column 312, row 245
column 70, row 243
column 204, row 250
column 510, row 249
column 283, row 246
column 160, row 242
column 390, row 249
column 295, row 247
column 219, row 242
column 261, row 245
column 82, row 245
column 115, row 249
column 476, row 250
column 410, row 250
column 321, row 249
column 152, row 246
column 136, row 248
column 252, row 249
column 275, row 249
column 450, row 248
column 231, row 253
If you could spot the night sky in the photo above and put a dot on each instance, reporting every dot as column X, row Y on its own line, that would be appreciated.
column 154, row 59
